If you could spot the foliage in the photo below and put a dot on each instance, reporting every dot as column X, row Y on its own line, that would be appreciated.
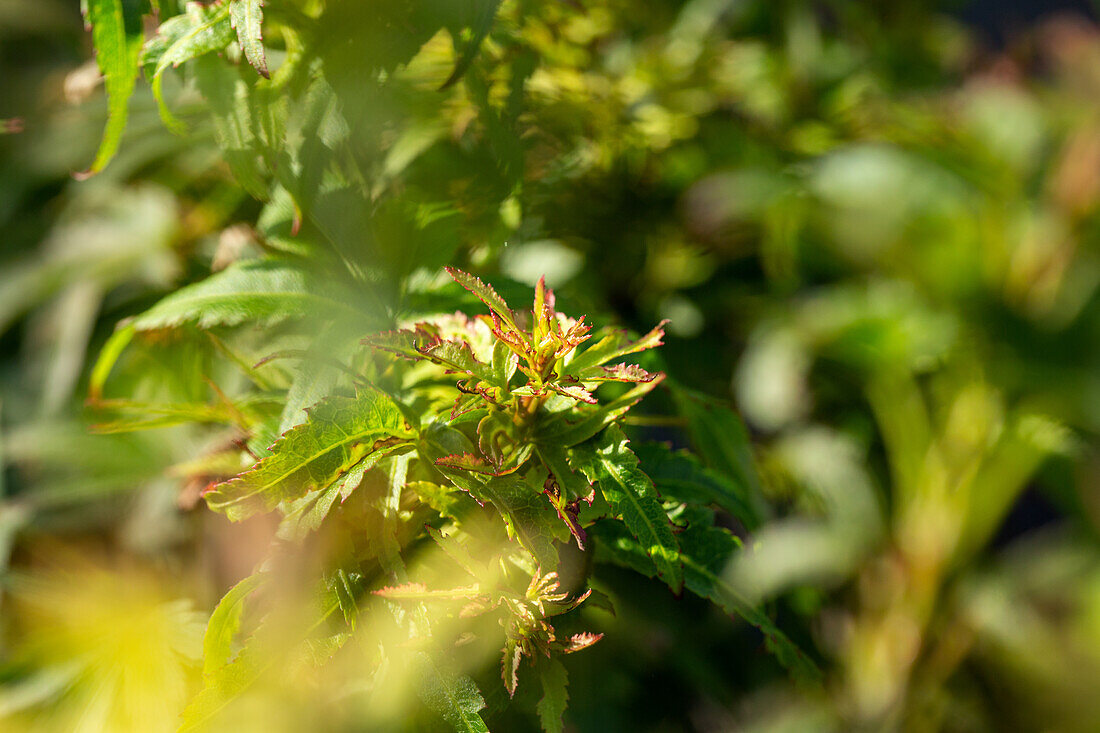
column 874, row 231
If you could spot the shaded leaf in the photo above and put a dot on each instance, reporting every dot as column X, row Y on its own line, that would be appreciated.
column 571, row 484
column 481, row 29
column 705, row 552
column 609, row 463
column 228, row 682
column 679, row 476
column 555, row 695
column 528, row 515
column 722, row 442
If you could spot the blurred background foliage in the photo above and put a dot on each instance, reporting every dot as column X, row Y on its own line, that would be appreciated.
column 874, row 227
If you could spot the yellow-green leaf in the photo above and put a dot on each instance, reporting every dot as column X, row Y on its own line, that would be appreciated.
column 247, row 17
column 337, row 434
column 117, row 34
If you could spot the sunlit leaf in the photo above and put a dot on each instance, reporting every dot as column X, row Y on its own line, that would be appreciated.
column 247, row 17
column 200, row 30
column 312, row 455
column 454, row 697
column 225, row 623
column 118, row 34
column 253, row 291
column 611, row 465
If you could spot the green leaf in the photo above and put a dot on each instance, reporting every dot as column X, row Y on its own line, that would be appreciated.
column 225, row 622
column 551, row 707
column 106, row 360
column 258, row 655
column 131, row 415
column 200, row 30
column 457, row 356
column 339, row 432
column 117, row 34
column 259, row 292
column 469, row 53
column 609, row 463
column 572, row 485
column 453, row 355
column 239, row 118
column 570, row 427
column 722, row 441
column 305, row 515
column 679, row 476
column 529, row 517
column 615, row 344
column 487, row 295
column 247, row 17
column 454, row 697
column 705, row 552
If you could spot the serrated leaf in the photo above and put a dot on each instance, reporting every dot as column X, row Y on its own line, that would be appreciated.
column 574, row 391
column 200, row 30
column 573, row 485
column 579, row 641
column 511, row 656
column 570, row 427
column 615, row 373
column 247, row 17
column 487, row 295
column 225, row 622
column 722, row 442
column 307, row 514
column 615, row 344
column 242, row 122
column 455, row 550
column 472, row 463
column 457, row 356
column 678, row 475
column 260, row 292
column 118, row 35
column 454, row 697
column 338, row 433
column 529, row 517
column 555, row 695
column 421, row 592
column 610, row 464
column 705, row 551
column 449, row 502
